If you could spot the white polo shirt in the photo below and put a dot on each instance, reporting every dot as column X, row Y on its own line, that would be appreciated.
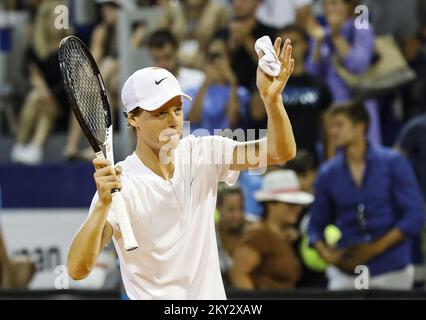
column 173, row 222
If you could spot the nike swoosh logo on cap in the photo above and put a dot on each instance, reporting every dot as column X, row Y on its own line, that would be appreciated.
column 159, row 81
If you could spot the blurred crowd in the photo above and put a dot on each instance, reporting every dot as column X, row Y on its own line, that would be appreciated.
column 353, row 196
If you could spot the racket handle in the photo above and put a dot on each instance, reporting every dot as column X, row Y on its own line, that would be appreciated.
column 124, row 221
column 121, row 214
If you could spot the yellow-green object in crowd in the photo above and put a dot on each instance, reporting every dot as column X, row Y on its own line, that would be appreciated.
column 310, row 256
column 332, row 234
column 216, row 216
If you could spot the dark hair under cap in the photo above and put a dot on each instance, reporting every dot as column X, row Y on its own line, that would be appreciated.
column 354, row 110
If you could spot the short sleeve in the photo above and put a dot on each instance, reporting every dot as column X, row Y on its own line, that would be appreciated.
column 218, row 152
column 111, row 215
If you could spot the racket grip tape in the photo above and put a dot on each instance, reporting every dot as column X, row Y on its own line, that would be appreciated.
column 124, row 221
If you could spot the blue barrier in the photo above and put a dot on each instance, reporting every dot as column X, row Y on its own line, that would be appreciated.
column 47, row 186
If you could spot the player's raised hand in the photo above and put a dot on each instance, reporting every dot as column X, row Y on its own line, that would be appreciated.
column 106, row 178
column 270, row 88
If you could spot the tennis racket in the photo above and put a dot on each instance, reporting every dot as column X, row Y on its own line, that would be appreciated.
column 88, row 98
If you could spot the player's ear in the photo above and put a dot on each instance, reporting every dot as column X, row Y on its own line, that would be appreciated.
column 131, row 119
column 131, row 116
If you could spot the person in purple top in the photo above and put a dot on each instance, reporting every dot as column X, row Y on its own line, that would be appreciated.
column 354, row 49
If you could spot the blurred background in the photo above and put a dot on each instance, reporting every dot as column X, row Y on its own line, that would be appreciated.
column 374, row 55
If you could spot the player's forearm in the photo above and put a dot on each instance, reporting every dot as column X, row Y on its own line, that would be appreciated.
column 281, row 143
column 85, row 247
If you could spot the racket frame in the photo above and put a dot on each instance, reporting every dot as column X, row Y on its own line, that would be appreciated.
column 118, row 203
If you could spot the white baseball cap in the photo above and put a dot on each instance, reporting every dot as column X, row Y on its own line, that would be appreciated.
column 283, row 186
column 149, row 89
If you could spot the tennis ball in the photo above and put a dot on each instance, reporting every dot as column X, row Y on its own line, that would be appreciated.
column 332, row 234
column 310, row 256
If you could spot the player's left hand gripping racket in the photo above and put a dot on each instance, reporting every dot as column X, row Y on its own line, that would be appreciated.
column 88, row 98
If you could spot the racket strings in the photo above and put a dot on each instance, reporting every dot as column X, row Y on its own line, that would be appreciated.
column 86, row 89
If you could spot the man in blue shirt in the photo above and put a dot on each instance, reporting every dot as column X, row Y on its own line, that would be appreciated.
column 371, row 194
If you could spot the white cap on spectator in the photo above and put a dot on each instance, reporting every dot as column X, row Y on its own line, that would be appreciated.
column 149, row 89
column 283, row 186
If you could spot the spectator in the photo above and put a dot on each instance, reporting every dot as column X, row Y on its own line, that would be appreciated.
column 311, row 276
column 341, row 42
column 370, row 193
column 14, row 274
column 104, row 39
column 396, row 18
column 46, row 103
column 410, row 142
column 306, row 97
column 193, row 22
column 278, row 14
column 422, row 18
column 219, row 103
column 163, row 47
column 304, row 166
column 404, row 21
column 103, row 47
column 147, row 3
column 413, row 45
column 250, row 183
column 266, row 258
column 240, row 35
column 230, row 227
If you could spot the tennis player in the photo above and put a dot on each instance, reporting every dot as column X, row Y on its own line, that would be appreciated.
column 170, row 185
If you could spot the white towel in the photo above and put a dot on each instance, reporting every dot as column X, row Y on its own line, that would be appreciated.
column 269, row 63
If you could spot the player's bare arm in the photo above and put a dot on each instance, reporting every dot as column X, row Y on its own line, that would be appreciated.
column 96, row 232
column 279, row 142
